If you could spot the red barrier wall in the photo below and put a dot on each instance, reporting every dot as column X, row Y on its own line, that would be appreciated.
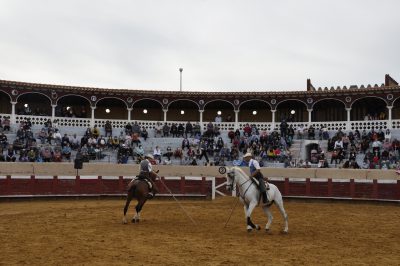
column 78, row 186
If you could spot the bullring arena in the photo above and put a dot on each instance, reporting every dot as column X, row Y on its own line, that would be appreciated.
column 54, row 214
column 77, row 229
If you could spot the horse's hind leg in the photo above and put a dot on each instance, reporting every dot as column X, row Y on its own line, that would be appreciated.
column 138, row 208
column 284, row 214
column 268, row 213
column 128, row 201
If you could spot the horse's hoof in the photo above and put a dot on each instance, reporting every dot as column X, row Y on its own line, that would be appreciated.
column 267, row 230
column 249, row 230
column 284, row 232
column 258, row 227
column 124, row 221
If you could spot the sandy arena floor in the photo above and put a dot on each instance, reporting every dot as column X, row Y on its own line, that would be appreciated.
column 90, row 232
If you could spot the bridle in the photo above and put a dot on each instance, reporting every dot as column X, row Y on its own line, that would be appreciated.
column 231, row 186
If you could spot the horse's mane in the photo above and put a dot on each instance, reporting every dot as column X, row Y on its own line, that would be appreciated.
column 240, row 170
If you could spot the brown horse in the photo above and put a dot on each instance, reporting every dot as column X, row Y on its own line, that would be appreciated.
column 139, row 189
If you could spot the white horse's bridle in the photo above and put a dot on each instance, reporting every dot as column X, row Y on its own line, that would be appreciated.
column 231, row 186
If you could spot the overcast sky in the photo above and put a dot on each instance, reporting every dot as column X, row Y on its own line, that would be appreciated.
column 222, row 45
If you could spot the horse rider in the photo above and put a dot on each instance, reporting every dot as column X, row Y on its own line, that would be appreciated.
column 255, row 172
column 146, row 173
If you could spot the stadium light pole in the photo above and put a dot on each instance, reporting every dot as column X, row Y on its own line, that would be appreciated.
column 180, row 84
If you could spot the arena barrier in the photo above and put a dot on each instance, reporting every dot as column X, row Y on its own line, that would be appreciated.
column 190, row 186
column 52, row 179
column 63, row 186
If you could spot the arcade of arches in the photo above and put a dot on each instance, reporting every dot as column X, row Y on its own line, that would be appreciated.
column 187, row 110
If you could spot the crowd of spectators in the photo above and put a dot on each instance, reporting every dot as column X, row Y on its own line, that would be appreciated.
column 196, row 147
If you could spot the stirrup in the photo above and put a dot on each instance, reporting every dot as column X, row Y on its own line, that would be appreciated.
column 150, row 196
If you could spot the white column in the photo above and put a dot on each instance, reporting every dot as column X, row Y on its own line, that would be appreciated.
column 165, row 114
column 201, row 119
column 129, row 113
column 348, row 126
column 273, row 119
column 12, row 118
column 309, row 115
column 92, row 119
column 53, row 111
column 389, row 126
column 236, row 119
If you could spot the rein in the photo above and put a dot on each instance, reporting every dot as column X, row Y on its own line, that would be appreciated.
column 248, row 187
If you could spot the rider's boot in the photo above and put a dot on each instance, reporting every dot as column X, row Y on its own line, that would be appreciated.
column 151, row 194
column 265, row 198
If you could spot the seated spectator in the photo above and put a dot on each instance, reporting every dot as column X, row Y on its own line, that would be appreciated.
column 158, row 130
column 231, row 135
column 188, row 129
column 84, row 152
column 57, row 137
column 74, row 142
column 181, row 130
column 108, row 129
column 3, row 140
column 323, row 164
column 337, row 154
column 169, row 153
column 122, row 155
column 174, row 130
column 6, row 124
column 157, row 154
column 247, row 130
column 43, row 136
column 178, row 154
column 135, row 128
column 65, row 140
column 197, row 129
column 10, row 154
column 210, row 130
column 32, row 155
column 139, row 151
column 92, row 152
column 101, row 142
column 135, row 138
column 29, row 134
column 95, row 132
column 46, row 154
column 128, row 129
column 23, row 157
column 18, row 144
column 2, row 154
column 311, row 132
column 166, row 130
column 143, row 133
column 66, row 151
column 185, row 144
column 115, row 142
column 109, row 142
column 191, row 153
column 57, row 155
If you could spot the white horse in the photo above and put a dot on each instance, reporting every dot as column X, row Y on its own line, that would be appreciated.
column 250, row 196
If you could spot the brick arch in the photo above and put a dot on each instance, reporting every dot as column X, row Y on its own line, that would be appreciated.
column 190, row 113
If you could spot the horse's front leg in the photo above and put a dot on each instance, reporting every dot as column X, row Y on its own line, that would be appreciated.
column 250, row 225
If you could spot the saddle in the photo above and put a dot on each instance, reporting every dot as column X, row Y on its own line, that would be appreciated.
column 138, row 179
column 255, row 181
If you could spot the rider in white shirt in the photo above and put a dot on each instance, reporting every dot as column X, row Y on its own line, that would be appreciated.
column 255, row 172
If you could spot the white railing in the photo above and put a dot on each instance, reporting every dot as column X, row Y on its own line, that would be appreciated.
column 368, row 124
column 224, row 126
